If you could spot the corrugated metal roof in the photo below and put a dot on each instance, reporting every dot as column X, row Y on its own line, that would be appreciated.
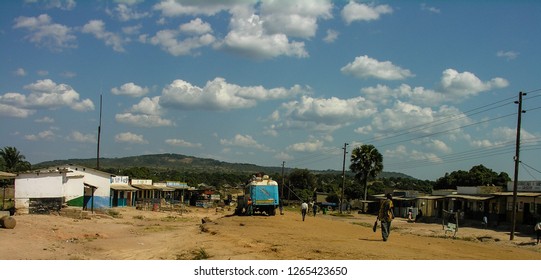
column 165, row 188
column 431, row 197
column 90, row 186
column 6, row 175
column 122, row 187
column 146, row 187
column 524, row 194
column 470, row 197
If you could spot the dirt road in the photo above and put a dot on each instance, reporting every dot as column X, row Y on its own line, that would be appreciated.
column 207, row 234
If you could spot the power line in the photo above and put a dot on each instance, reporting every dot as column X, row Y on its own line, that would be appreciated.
column 446, row 131
column 441, row 121
column 531, row 167
column 330, row 153
column 527, row 170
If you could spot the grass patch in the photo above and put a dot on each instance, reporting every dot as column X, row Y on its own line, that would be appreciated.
column 200, row 254
column 344, row 215
column 363, row 224
column 113, row 213
column 158, row 228
column 173, row 218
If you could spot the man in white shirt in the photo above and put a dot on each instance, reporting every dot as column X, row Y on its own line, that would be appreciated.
column 304, row 209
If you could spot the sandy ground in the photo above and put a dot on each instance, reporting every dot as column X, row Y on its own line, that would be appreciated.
column 147, row 235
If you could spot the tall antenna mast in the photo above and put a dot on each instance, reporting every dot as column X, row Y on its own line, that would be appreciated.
column 99, row 136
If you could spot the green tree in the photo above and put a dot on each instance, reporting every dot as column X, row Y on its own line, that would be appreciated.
column 478, row 175
column 13, row 160
column 366, row 163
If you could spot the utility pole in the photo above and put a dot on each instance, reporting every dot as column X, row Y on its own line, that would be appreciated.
column 99, row 136
column 281, row 204
column 343, row 177
column 517, row 161
column 282, row 192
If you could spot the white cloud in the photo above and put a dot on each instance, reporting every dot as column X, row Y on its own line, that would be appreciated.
column 466, row 84
column 248, row 37
column 454, row 87
column 366, row 67
column 132, row 30
column 332, row 35
column 128, row 137
column 44, row 135
column 196, row 26
column 310, row 146
column 401, row 152
column 66, row 5
column 177, row 44
column 44, row 120
column 438, row 146
column 505, row 136
column 413, row 117
column 20, row 72
column 77, row 136
column 509, row 55
column 258, row 36
column 174, row 8
column 48, row 95
column 142, row 120
column 129, row 2
column 382, row 94
column 431, row 9
column 325, row 114
column 296, row 18
column 146, row 113
column 220, row 95
column 68, row 74
column 402, row 115
column 283, row 156
column 125, row 12
column 183, row 143
column 130, row 89
column 43, row 32
column 244, row 141
column 10, row 111
column 367, row 129
column 43, row 72
column 364, row 12
column 148, row 106
column 97, row 28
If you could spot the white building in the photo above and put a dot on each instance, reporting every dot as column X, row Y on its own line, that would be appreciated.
column 47, row 190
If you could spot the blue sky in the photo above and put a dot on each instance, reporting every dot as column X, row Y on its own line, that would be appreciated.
column 430, row 84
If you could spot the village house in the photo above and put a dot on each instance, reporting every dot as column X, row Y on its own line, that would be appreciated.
column 528, row 203
column 46, row 190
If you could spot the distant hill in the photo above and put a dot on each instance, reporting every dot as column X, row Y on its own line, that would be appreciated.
column 183, row 163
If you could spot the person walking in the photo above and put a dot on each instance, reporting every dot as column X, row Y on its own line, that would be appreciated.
column 304, row 209
column 485, row 221
column 314, row 209
column 386, row 216
column 538, row 231
column 250, row 207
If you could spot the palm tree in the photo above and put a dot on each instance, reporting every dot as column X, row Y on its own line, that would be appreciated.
column 13, row 159
column 366, row 163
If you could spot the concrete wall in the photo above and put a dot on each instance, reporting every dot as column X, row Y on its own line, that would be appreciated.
column 35, row 186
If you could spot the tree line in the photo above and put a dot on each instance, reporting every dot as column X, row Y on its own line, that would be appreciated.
column 361, row 179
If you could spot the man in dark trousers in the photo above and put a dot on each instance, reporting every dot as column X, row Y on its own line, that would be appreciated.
column 304, row 210
column 386, row 216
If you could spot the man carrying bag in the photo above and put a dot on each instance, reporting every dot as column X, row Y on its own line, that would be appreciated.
column 386, row 216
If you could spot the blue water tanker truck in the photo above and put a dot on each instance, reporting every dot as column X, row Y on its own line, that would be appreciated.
column 260, row 196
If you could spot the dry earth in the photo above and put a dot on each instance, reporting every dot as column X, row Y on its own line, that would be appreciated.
column 146, row 235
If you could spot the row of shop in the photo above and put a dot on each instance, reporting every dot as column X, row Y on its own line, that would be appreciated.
column 472, row 203
column 48, row 190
